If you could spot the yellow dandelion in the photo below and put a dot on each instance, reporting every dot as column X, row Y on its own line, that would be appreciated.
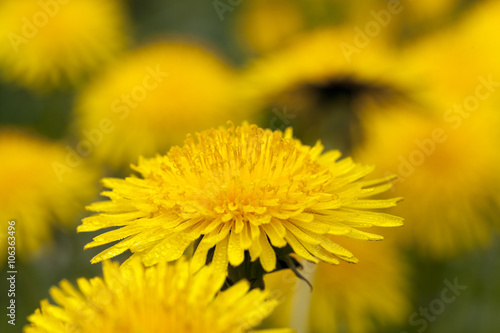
column 34, row 195
column 151, row 98
column 357, row 298
column 432, row 77
column 46, row 44
column 239, row 189
column 447, row 169
column 320, row 58
column 163, row 298
column 315, row 78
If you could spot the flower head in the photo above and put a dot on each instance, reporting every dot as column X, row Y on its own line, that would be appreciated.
column 449, row 173
column 319, row 58
column 48, row 43
column 443, row 140
column 32, row 193
column 163, row 298
column 316, row 76
column 432, row 78
column 153, row 96
column 237, row 189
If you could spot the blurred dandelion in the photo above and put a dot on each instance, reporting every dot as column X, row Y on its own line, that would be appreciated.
column 444, row 134
column 443, row 68
column 33, row 195
column 449, row 175
column 317, row 76
column 319, row 57
column 163, row 298
column 156, row 95
column 49, row 44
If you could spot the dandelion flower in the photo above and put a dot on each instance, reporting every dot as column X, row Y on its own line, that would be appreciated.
column 163, row 298
column 432, row 78
column 154, row 96
column 46, row 44
column 446, row 156
column 32, row 193
column 319, row 58
column 449, row 173
column 239, row 189
column 316, row 77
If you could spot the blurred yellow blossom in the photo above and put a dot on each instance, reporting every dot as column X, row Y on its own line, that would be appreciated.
column 33, row 195
column 447, row 172
column 153, row 97
column 311, row 83
column 446, row 67
column 319, row 58
column 46, row 44
column 442, row 140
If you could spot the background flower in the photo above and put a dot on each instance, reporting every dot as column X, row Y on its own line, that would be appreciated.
column 447, row 175
column 431, row 78
column 156, row 95
column 34, row 195
column 48, row 44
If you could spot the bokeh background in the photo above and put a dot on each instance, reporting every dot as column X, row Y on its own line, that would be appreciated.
column 412, row 87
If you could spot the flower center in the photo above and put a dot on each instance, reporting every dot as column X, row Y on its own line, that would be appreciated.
column 238, row 175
